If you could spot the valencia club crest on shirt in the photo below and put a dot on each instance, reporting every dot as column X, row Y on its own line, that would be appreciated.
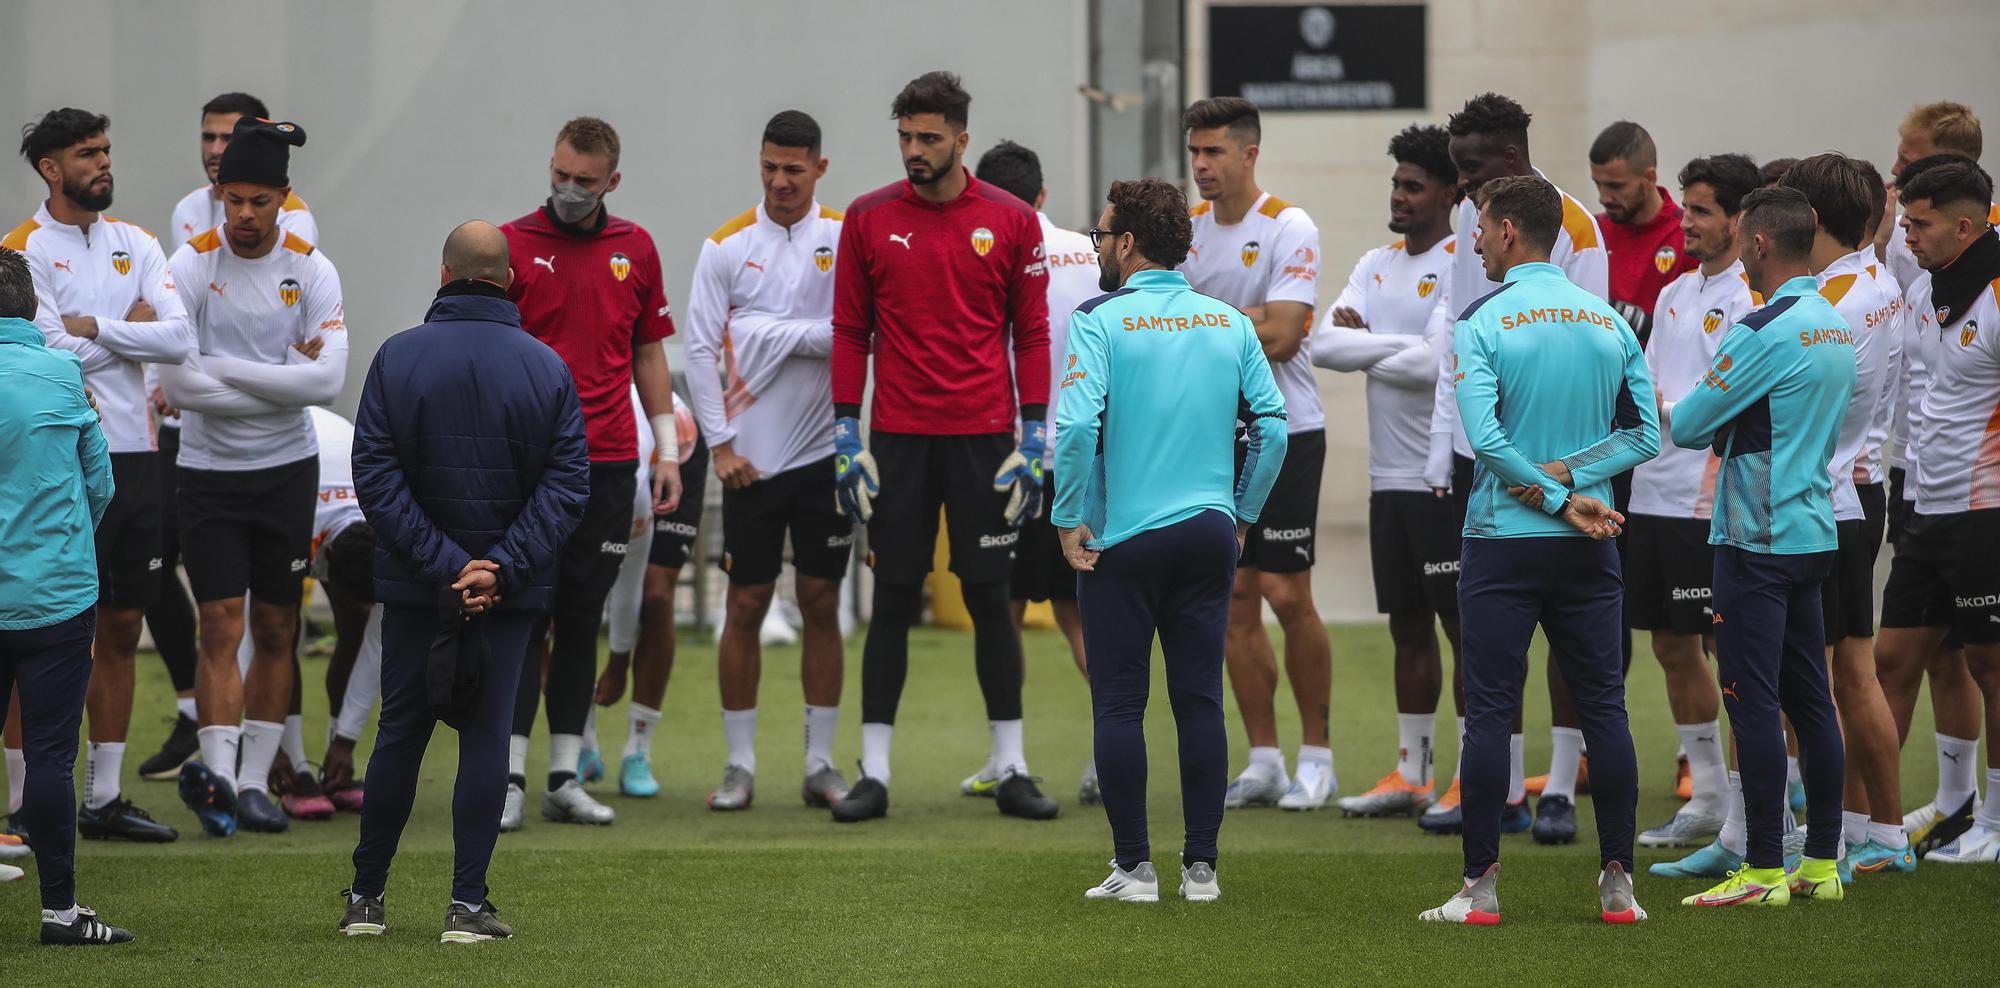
column 1664, row 258
column 1711, row 320
column 1250, row 253
column 121, row 262
column 621, row 266
column 823, row 259
column 288, row 290
column 1965, row 335
column 1426, row 285
column 982, row 241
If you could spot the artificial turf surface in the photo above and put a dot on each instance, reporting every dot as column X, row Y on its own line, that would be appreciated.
column 945, row 890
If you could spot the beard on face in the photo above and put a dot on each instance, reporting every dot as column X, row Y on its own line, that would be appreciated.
column 933, row 174
column 1107, row 272
column 95, row 202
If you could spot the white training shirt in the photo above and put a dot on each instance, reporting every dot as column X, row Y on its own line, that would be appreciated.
column 338, row 507
column 1396, row 294
column 1272, row 255
column 761, row 310
column 243, row 395
column 1690, row 319
column 1958, row 435
column 101, row 272
column 201, row 210
column 1920, row 346
column 1579, row 252
column 1869, row 469
column 1870, row 312
column 1072, row 266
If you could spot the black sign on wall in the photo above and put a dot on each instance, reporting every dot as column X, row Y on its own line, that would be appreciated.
column 1319, row 57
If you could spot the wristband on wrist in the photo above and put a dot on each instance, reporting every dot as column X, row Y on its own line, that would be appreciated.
column 667, row 437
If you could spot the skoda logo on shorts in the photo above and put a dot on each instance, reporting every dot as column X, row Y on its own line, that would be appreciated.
column 999, row 541
column 299, row 565
column 839, row 541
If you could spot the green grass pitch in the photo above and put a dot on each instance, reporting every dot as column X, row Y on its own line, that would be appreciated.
column 947, row 891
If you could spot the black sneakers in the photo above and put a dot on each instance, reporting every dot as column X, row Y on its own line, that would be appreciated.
column 165, row 765
column 86, row 931
column 868, row 800
column 365, row 916
column 1019, row 796
column 462, row 925
column 1555, row 820
column 120, row 820
column 255, row 812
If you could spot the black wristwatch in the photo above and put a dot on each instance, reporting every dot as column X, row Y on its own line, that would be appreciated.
column 1564, row 506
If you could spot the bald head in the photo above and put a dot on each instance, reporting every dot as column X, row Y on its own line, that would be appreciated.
column 477, row 250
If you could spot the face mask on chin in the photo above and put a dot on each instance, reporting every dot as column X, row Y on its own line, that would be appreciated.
column 572, row 203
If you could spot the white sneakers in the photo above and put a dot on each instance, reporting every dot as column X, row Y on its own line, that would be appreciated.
column 513, row 809
column 568, row 803
column 1256, row 787
column 1142, row 884
column 9, row 873
column 1310, row 788
column 1198, row 883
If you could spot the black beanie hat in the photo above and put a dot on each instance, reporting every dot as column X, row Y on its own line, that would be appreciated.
column 258, row 152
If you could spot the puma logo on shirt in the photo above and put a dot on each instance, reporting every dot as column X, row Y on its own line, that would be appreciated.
column 547, row 262
column 902, row 238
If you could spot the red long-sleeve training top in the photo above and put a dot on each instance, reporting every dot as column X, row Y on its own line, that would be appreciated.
column 937, row 291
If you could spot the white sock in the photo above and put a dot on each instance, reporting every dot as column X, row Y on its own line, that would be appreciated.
column 640, row 722
column 1271, row 761
column 1854, row 827
column 739, row 728
column 589, row 735
column 1413, row 752
column 1009, row 755
column 1458, row 761
column 185, row 706
column 1889, row 835
column 1707, row 771
column 101, row 773
column 1791, row 770
column 294, row 742
column 66, row 917
column 1958, row 773
column 261, row 739
column 17, row 776
column 218, row 750
column 1989, row 811
column 1320, row 759
column 1517, row 784
column 820, row 725
column 517, row 755
column 564, row 750
column 1565, row 752
column 875, row 751
column 1733, row 833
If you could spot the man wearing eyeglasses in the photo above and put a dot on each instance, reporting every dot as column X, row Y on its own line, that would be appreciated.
column 1156, row 365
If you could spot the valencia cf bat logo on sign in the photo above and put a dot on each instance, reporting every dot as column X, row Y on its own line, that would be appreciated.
column 1965, row 335
column 1711, row 320
column 982, row 241
column 1426, row 285
column 288, row 290
column 823, row 259
column 1664, row 258
column 121, row 262
column 621, row 266
column 1250, row 253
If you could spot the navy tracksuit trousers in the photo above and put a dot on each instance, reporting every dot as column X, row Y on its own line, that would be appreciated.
column 51, row 666
column 1175, row 582
column 1572, row 588
column 1770, row 656
column 405, row 731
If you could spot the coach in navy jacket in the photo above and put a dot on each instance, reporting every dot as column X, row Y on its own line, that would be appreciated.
column 469, row 461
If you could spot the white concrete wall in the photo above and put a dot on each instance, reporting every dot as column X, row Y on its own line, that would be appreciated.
column 422, row 115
